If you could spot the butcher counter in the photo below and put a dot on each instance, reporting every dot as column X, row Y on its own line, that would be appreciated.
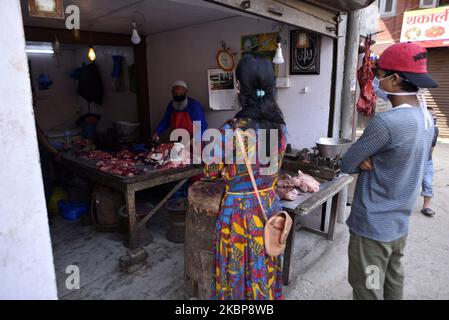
column 138, row 234
column 305, row 204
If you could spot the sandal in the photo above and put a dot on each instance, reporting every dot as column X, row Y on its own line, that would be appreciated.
column 428, row 212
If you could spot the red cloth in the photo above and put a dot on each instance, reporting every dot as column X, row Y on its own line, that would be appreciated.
column 182, row 120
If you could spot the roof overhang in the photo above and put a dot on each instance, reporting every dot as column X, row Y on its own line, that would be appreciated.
column 342, row 5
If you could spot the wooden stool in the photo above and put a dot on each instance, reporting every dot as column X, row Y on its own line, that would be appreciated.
column 204, row 205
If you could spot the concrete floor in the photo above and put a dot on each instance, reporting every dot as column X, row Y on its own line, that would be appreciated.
column 319, row 270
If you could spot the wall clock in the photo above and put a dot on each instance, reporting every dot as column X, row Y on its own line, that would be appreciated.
column 225, row 60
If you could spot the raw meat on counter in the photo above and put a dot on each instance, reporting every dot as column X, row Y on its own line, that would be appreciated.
column 163, row 148
column 167, row 156
column 290, row 194
column 125, row 163
column 95, row 155
column 306, row 183
column 285, row 181
column 178, row 157
column 119, row 167
column 158, row 155
column 125, row 154
column 287, row 185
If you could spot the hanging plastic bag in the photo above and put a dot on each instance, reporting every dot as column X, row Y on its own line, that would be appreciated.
column 117, row 81
column 44, row 82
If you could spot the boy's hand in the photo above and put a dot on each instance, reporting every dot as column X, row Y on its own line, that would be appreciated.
column 367, row 165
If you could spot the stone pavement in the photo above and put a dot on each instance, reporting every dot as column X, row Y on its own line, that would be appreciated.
column 319, row 269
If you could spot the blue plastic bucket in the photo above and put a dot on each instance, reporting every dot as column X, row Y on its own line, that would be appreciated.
column 72, row 210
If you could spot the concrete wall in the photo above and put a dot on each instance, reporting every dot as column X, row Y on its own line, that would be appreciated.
column 60, row 106
column 121, row 105
column 56, row 107
column 188, row 53
column 26, row 260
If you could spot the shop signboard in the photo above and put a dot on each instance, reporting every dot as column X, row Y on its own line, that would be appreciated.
column 428, row 28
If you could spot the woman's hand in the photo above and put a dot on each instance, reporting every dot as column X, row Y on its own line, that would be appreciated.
column 367, row 165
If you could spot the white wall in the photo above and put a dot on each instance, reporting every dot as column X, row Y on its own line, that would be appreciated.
column 116, row 106
column 26, row 260
column 60, row 106
column 307, row 115
column 56, row 108
column 188, row 53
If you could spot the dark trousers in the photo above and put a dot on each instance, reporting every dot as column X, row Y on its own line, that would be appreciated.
column 375, row 268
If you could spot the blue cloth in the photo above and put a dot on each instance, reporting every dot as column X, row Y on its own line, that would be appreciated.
column 44, row 82
column 398, row 143
column 427, row 180
column 117, row 62
column 194, row 109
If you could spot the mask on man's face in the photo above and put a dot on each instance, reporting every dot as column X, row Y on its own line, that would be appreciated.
column 378, row 91
column 178, row 98
column 382, row 94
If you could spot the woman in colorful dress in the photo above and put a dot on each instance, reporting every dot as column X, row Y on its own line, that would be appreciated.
column 243, row 271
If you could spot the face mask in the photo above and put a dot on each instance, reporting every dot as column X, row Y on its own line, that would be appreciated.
column 179, row 98
column 382, row 94
column 378, row 91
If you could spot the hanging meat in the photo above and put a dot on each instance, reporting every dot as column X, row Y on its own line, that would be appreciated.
column 367, row 100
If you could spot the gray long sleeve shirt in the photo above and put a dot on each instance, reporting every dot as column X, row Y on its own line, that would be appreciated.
column 398, row 143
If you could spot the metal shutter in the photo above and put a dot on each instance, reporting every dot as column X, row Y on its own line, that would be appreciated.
column 438, row 98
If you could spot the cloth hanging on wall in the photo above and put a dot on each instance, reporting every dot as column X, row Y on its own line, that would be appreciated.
column 44, row 82
column 90, row 85
column 132, row 78
column 117, row 81
column 76, row 73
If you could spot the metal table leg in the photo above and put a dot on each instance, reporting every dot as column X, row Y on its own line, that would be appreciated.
column 323, row 217
column 333, row 217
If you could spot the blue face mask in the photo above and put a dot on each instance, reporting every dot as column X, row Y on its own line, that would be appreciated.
column 378, row 91
column 382, row 94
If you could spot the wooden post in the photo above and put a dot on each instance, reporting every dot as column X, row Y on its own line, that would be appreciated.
column 131, row 209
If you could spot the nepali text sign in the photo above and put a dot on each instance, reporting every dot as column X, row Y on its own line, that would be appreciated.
column 429, row 27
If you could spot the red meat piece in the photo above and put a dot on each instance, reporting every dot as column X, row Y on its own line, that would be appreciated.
column 367, row 100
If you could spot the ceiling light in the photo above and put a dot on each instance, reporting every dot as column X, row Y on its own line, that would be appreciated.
column 91, row 55
column 135, row 38
column 278, row 58
column 39, row 48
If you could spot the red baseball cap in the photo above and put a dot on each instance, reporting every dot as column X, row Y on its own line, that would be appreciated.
column 410, row 60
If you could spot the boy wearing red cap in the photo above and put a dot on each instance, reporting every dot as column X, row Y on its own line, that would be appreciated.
column 390, row 157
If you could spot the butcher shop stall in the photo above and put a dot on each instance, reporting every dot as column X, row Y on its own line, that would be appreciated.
column 134, row 215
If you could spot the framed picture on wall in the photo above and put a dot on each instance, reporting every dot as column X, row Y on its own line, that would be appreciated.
column 263, row 45
column 304, row 52
column 46, row 8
